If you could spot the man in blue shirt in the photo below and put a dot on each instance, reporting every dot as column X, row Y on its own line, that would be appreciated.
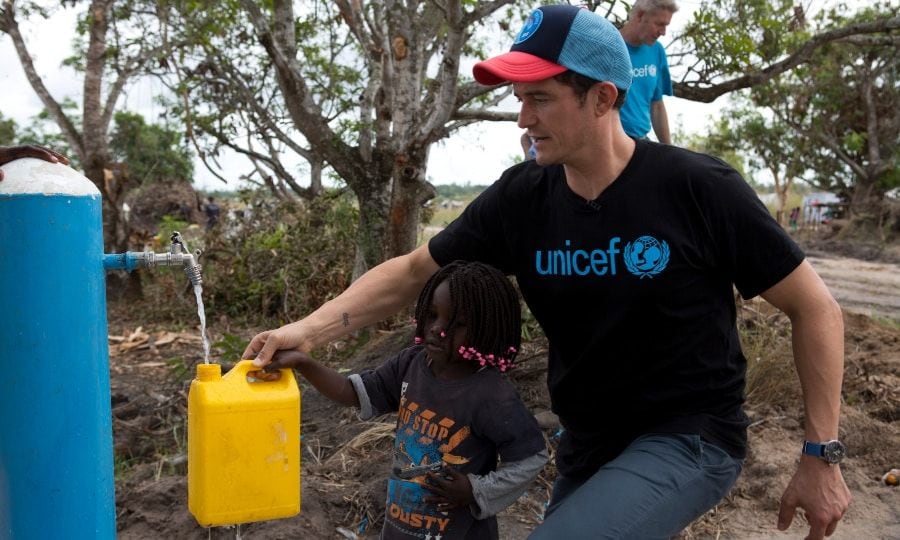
column 644, row 106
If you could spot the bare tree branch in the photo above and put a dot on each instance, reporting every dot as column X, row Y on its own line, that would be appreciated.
column 707, row 94
column 480, row 114
column 306, row 115
column 10, row 26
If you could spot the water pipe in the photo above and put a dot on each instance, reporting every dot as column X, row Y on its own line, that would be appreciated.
column 178, row 255
column 56, row 444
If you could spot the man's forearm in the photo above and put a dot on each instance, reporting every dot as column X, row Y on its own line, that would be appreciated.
column 818, row 343
column 379, row 293
column 660, row 120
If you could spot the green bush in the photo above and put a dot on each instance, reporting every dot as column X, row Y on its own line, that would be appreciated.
column 283, row 260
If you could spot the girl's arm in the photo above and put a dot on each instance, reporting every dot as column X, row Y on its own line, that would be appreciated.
column 326, row 380
column 485, row 495
column 498, row 489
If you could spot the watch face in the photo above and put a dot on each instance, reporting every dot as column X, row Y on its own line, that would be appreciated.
column 833, row 452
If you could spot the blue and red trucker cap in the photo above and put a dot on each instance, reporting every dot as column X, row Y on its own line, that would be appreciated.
column 559, row 38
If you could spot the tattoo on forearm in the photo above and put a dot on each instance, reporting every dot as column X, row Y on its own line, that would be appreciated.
column 345, row 318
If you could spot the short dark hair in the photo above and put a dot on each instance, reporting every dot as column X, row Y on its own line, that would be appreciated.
column 581, row 84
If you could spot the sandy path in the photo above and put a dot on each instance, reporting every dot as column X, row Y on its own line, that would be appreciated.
column 872, row 288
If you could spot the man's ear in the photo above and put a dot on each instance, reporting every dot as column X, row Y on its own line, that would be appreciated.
column 603, row 96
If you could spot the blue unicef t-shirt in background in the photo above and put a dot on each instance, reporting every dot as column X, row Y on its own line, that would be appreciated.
column 651, row 80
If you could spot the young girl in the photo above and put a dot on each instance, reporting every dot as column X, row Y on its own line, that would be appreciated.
column 456, row 414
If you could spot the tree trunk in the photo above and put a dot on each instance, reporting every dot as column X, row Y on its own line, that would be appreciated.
column 374, row 199
column 782, row 204
column 865, row 204
column 95, row 144
column 410, row 192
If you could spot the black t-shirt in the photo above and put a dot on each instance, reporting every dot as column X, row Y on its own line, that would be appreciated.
column 466, row 423
column 634, row 291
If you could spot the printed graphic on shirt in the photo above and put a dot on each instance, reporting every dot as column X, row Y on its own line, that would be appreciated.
column 645, row 257
column 425, row 442
column 648, row 70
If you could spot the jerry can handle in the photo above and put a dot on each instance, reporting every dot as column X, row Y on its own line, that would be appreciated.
column 252, row 375
column 259, row 375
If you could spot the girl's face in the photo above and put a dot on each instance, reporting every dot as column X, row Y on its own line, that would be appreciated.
column 441, row 344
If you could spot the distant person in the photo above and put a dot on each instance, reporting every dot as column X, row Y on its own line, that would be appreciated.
column 527, row 146
column 212, row 211
column 794, row 217
column 12, row 153
column 457, row 413
column 644, row 107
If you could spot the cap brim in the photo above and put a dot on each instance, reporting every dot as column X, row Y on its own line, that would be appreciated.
column 515, row 66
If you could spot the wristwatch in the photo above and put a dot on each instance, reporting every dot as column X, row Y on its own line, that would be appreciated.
column 831, row 452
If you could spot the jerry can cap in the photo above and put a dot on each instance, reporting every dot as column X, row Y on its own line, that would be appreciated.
column 209, row 372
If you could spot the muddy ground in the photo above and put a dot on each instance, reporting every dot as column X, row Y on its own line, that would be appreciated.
column 345, row 461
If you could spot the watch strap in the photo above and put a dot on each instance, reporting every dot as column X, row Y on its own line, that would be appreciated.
column 814, row 449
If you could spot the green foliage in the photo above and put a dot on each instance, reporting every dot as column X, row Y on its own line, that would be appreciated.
column 460, row 191
column 169, row 225
column 728, row 37
column 7, row 131
column 121, row 465
column 231, row 346
column 837, row 114
column 283, row 262
column 181, row 369
column 42, row 130
column 719, row 142
column 152, row 153
column 446, row 207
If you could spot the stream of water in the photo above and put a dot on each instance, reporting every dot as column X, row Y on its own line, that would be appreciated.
column 198, row 292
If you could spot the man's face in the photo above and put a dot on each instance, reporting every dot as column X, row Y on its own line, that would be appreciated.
column 555, row 119
column 651, row 25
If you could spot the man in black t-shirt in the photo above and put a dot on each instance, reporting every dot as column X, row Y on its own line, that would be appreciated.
column 627, row 253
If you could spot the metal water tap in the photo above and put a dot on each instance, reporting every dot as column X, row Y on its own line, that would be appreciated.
column 178, row 255
column 191, row 262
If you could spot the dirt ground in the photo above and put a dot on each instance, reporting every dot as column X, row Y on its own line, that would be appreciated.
column 345, row 461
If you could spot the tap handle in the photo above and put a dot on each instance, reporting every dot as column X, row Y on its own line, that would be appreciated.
column 178, row 245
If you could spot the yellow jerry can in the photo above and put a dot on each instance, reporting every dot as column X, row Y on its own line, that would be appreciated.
column 243, row 446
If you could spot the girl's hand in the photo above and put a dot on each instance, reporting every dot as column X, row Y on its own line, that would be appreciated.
column 451, row 489
column 287, row 359
column 11, row 153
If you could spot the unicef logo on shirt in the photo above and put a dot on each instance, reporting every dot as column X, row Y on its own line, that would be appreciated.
column 648, row 70
column 531, row 26
column 646, row 256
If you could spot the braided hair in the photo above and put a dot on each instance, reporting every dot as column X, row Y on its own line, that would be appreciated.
column 491, row 308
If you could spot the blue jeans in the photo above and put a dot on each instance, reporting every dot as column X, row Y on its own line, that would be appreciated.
column 655, row 488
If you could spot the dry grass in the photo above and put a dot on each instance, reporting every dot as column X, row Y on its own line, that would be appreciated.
column 765, row 337
column 379, row 431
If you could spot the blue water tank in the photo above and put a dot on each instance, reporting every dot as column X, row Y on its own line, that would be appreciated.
column 56, row 458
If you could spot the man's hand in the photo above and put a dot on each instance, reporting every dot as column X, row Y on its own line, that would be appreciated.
column 452, row 489
column 12, row 153
column 264, row 345
column 819, row 489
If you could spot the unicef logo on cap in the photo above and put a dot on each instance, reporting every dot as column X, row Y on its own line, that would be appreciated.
column 531, row 26
column 646, row 256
